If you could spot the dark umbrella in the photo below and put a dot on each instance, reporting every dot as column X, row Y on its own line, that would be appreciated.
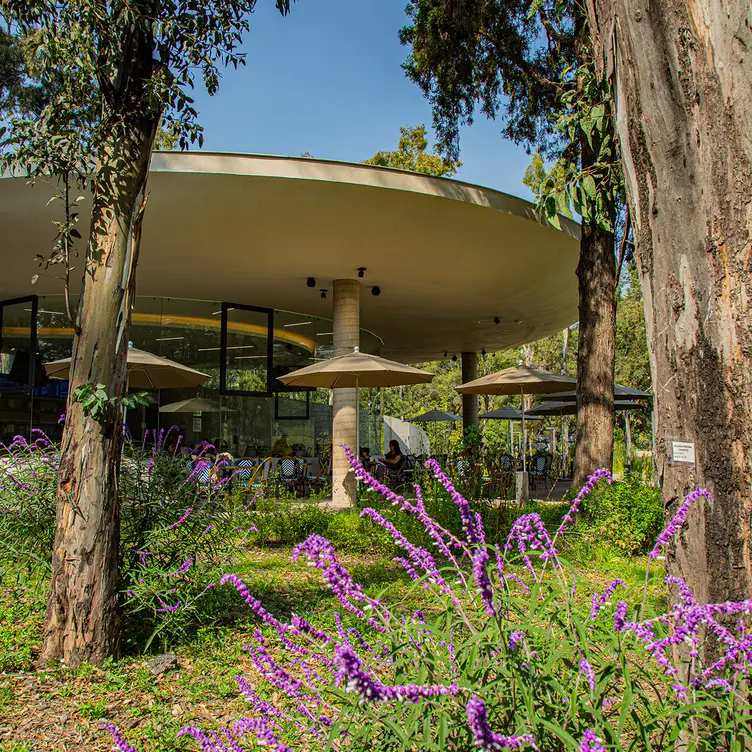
column 570, row 408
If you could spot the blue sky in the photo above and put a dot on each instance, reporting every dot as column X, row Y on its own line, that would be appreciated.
column 327, row 80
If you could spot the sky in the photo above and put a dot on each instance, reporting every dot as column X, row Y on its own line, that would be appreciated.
column 327, row 80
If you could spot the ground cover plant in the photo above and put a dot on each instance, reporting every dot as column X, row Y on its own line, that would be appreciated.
column 496, row 660
column 529, row 662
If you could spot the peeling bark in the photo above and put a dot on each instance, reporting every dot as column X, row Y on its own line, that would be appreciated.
column 82, row 622
column 681, row 74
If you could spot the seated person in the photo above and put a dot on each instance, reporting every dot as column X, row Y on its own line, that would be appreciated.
column 365, row 458
column 394, row 458
column 298, row 450
column 281, row 448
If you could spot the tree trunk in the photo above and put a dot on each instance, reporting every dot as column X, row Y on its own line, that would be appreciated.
column 564, row 421
column 83, row 616
column 596, row 272
column 681, row 73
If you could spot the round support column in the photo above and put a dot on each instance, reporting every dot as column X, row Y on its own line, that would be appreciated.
column 346, row 320
column 469, row 401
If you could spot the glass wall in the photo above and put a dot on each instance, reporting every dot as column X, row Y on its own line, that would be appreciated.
column 242, row 408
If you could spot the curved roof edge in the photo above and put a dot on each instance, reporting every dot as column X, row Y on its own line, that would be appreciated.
column 355, row 173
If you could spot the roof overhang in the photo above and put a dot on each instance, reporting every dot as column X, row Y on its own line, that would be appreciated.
column 449, row 257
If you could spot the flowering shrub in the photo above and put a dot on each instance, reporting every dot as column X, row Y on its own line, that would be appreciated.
column 28, row 480
column 176, row 539
column 506, row 653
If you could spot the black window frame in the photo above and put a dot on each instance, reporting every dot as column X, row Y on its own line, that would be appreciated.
column 307, row 415
column 34, row 300
column 223, row 389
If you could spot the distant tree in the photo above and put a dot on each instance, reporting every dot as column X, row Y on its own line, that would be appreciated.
column 412, row 154
column 114, row 71
column 167, row 138
column 530, row 65
column 19, row 90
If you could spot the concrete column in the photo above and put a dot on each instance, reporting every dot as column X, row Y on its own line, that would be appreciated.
column 469, row 401
column 346, row 320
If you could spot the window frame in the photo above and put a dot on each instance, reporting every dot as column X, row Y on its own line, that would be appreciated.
column 223, row 388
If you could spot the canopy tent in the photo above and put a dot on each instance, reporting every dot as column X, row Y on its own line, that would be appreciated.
column 412, row 437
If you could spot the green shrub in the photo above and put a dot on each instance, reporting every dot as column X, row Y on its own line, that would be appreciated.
column 627, row 515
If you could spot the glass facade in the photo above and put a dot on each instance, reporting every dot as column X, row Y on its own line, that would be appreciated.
column 243, row 349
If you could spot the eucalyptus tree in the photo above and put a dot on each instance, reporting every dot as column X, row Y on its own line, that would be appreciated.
column 530, row 65
column 117, row 68
column 682, row 71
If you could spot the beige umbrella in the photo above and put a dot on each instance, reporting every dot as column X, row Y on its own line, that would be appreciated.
column 520, row 380
column 354, row 370
column 145, row 371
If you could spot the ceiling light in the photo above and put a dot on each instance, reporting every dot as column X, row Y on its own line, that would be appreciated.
column 323, row 334
column 361, row 271
column 482, row 352
column 167, row 339
column 248, row 357
column 454, row 357
column 376, row 291
column 497, row 320
column 445, row 355
column 323, row 293
column 297, row 323
column 311, row 282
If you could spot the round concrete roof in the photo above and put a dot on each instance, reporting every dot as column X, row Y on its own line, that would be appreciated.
column 449, row 257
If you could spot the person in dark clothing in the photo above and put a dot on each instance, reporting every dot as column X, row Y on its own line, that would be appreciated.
column 394, row 458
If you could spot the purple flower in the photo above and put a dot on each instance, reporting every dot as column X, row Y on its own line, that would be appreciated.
column 471, row 523
column 517, row 637
column 477, row 718
column 597, row 603
column 591, row 743
column 181, row 520
column 182, row 569
column 482, row 581
column 358, row 681
column 117, row 737
column 320, row 554
column 678, row 519
column 253, row 603
column 584, row 491
column 587, row 670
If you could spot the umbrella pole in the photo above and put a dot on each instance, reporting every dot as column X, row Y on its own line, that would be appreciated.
column 357, row 418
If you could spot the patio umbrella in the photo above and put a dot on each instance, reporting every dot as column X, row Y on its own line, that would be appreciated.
column 434, row 415
column 570, row 408
column 145, row 371
column 620, row 393
column 354, row 370
column 520, row 380
column 194, row 405
column 506, row 413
